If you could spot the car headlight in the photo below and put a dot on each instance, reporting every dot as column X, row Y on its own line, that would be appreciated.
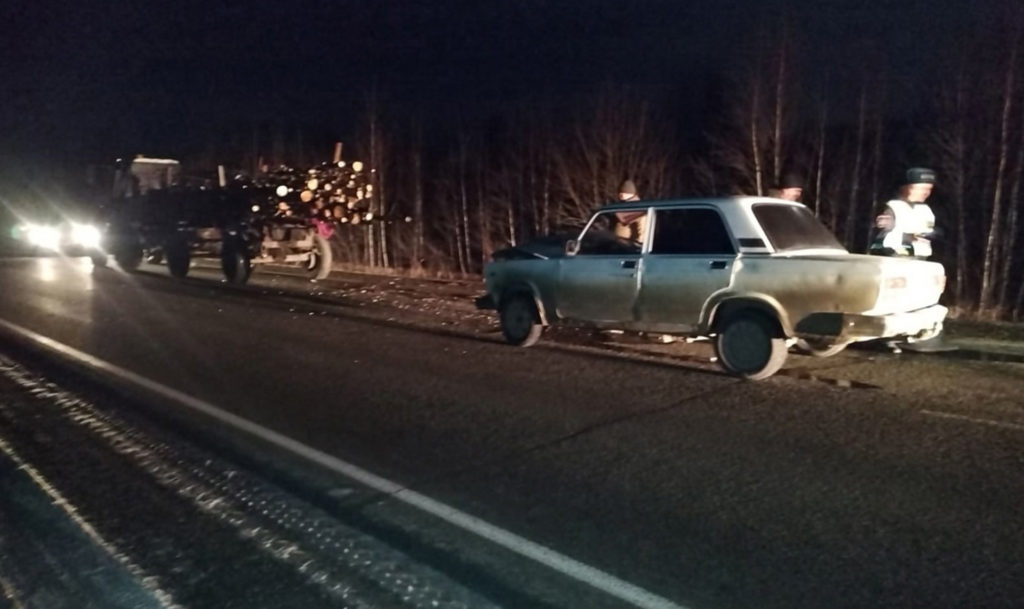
column 85, row 235
column 46, row 237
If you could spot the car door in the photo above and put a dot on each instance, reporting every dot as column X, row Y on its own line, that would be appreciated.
column 691, row 256
column 601, row 281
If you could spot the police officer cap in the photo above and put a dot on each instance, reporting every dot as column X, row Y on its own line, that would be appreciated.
column 920, row 175
column 628, row 187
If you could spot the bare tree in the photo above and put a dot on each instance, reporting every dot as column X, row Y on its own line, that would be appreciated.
column 950, row 145
column 617, row 139
column 852, row 209
column 820, row 155
column 992, row 243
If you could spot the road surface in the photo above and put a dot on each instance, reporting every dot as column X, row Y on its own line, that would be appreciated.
column 898, row 484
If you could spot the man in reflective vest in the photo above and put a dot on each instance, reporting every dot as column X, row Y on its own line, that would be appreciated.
column 906, row 228
column 907, row 225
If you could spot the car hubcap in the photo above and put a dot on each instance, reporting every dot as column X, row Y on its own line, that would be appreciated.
column 746, row 345
column 518, row 318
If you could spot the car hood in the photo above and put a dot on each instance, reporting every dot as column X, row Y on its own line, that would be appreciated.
column 551, row 246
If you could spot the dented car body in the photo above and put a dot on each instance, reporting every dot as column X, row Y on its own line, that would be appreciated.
column 755, row 274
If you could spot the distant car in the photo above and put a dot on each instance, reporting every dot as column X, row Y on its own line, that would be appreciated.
column 66, row 237
column 754, row 274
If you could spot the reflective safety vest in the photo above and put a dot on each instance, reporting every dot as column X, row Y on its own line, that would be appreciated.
column 914, row 221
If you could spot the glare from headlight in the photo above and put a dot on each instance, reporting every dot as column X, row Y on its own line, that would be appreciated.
column 85, row 235
column 45, row 237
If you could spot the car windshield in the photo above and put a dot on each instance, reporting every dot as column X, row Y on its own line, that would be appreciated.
column 794, row 227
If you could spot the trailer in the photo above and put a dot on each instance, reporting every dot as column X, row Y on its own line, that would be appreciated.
column 283, row 217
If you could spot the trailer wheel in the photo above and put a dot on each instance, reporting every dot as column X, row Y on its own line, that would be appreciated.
column 178, row 257
column 128, row 256
column 234, row 261
column 320, row 259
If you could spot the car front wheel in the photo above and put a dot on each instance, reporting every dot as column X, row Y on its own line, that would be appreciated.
column 748, row 345
column 520, row 322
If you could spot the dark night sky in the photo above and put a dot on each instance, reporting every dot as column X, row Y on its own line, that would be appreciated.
column 92, row 78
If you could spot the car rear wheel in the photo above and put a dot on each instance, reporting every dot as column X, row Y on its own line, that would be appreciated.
column 748, row 345
column 520, row 322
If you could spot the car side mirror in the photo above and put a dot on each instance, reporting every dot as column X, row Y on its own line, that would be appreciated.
column 572, row 247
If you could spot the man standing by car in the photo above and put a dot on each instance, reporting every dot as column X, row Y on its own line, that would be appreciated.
column 632, row 224
column 906, row 226
column 790, row 188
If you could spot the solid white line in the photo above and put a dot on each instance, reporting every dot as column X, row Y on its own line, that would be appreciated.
column 960, row 417
column 570, row 567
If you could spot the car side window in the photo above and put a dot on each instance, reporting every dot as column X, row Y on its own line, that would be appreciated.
column 615, row 234
column 691, row 231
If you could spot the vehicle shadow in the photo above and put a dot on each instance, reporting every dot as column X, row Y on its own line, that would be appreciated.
column 296, row 302
column 278, row 299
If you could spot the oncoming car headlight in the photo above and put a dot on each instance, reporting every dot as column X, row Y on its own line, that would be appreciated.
column 85, row 235
column 46, row 237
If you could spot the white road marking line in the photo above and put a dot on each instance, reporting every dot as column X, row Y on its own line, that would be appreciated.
column 961, row 417
column 565, row 565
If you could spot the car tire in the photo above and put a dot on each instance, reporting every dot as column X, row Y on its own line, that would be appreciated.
column 234, row 261
column 155, row 256
column 748, row 345
column 321, row 258
column 179, row 258
column 520, row 322
column 815, row 349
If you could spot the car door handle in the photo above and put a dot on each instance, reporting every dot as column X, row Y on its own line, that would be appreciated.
column 718, row 264
column 629, row 264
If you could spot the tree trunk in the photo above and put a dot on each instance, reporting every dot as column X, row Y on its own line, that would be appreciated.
column 464, row 206
column 876, row 162
column 849, row 230
column 780, row 91
column 417, row 202
column 483, row 217
column 754, row 148
column 993, row 242
column 1010, row 235
column 820, row 164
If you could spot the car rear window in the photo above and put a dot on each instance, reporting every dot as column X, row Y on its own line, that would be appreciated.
column 794, row 227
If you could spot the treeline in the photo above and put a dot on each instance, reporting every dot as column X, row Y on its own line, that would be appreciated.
column 449, row 195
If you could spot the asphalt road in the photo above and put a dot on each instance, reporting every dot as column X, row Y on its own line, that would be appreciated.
column 697, row 487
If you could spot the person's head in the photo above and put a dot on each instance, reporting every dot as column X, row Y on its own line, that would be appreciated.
column 919, row 184
column 791, row 187
column 627, row 191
